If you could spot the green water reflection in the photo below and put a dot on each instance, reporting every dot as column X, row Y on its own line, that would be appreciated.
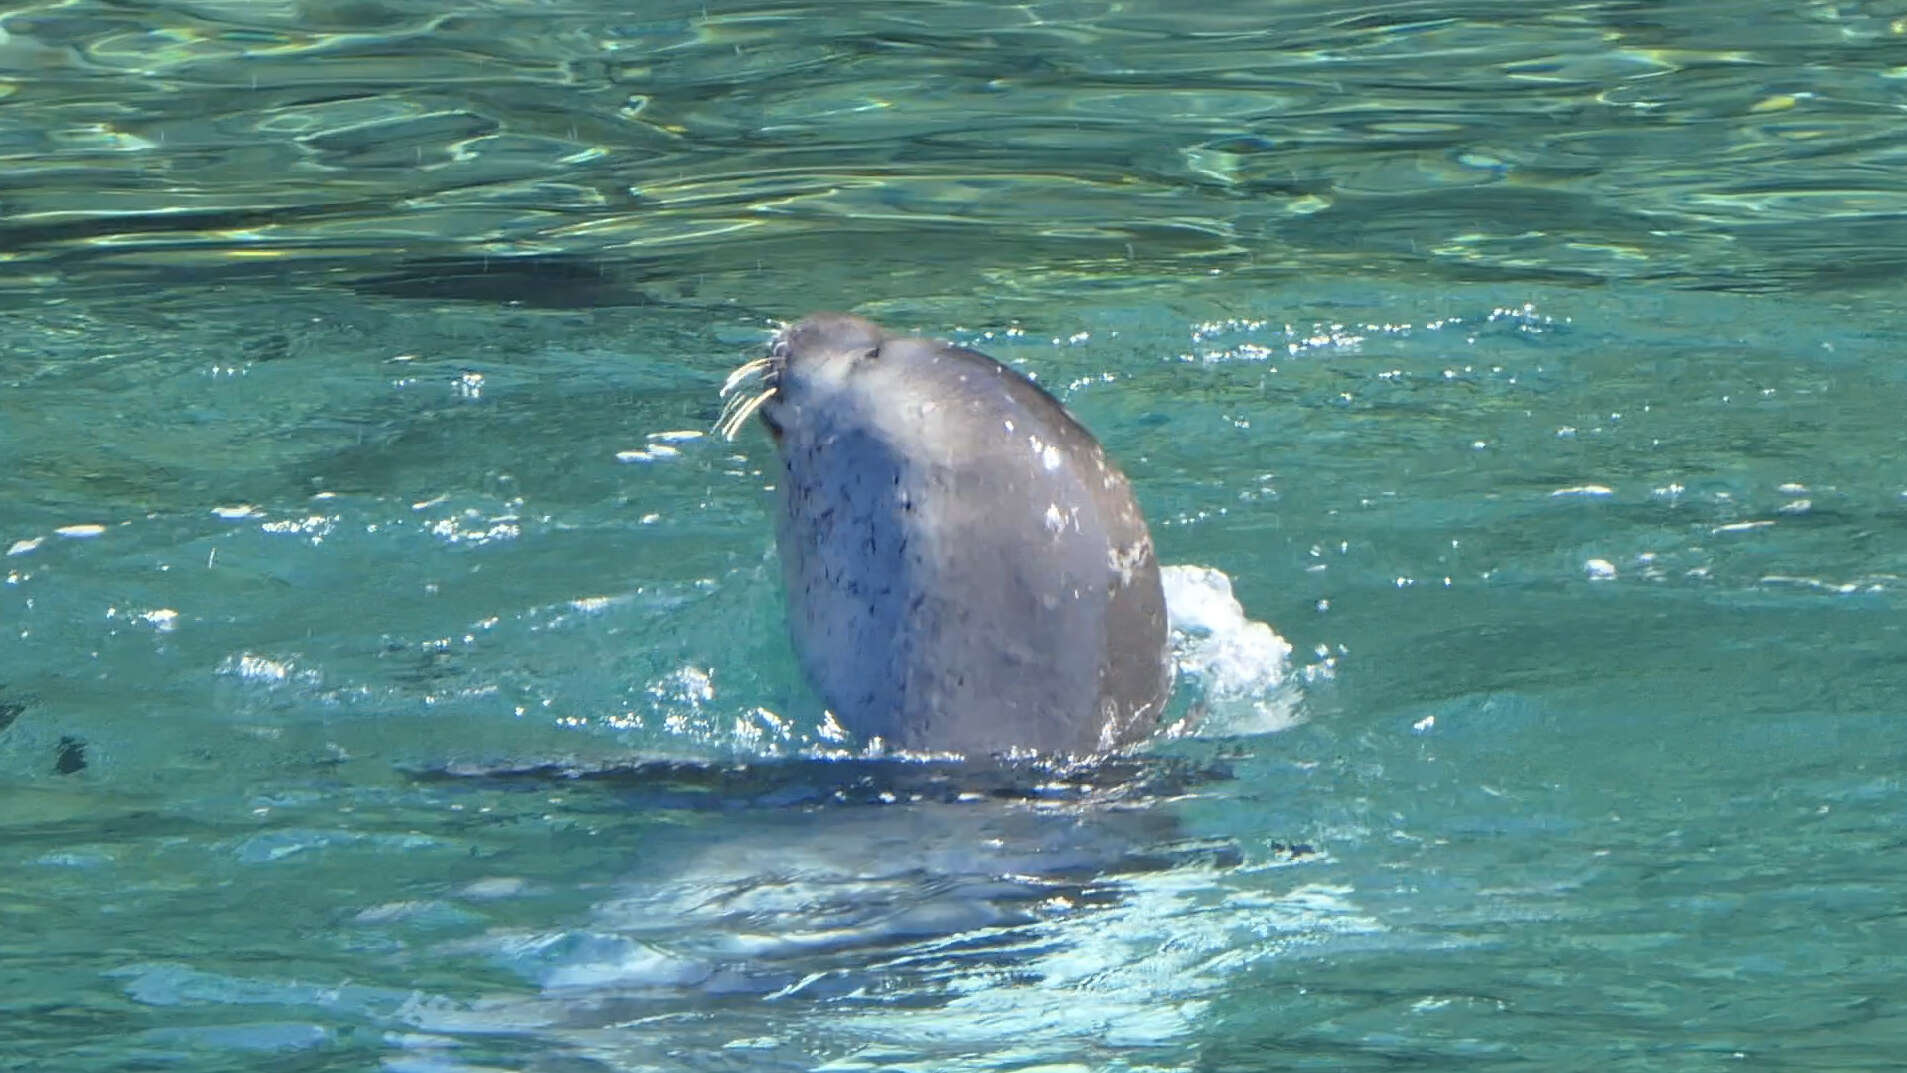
column 1533, row 369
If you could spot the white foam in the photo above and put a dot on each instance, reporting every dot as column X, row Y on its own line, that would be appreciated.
column 1240, row 666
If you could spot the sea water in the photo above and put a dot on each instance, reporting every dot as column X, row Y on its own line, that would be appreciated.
column 392, row 669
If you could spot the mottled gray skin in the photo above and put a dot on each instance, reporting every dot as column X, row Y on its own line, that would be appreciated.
column 966, row 570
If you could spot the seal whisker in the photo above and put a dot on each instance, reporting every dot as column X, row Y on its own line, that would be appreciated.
column 738, row 410
column 745, row 371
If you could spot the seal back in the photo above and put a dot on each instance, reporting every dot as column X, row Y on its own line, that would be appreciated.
column 966, row 570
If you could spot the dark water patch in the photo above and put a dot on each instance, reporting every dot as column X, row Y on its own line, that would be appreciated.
column 808, row 783
column 70, row 757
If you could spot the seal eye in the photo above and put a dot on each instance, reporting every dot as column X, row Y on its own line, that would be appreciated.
column 870, row 353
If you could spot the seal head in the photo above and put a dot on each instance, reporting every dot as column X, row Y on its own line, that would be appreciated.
column 966, row 571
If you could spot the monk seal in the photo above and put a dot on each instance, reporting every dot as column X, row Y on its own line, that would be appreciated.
column 966, row 571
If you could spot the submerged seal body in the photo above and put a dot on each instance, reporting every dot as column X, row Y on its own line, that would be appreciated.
column 966, row 570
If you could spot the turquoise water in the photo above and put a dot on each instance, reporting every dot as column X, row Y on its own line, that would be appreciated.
column 393, row 675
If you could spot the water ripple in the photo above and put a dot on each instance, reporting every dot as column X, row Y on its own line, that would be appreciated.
column 214, row 136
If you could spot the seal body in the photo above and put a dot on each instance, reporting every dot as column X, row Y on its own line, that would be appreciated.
column 966, row 570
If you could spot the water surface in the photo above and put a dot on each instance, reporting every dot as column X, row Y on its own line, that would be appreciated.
column 393, row 672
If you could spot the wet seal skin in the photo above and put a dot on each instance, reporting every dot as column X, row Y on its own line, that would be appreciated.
column 966, row 571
